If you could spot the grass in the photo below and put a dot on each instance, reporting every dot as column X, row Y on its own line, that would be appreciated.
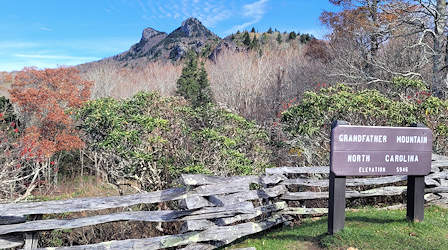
column 76, row 187
column 364, row 229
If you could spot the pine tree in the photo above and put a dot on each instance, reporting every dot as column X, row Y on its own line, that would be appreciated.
column 304, row 38
column 246, row 39
column 252, row 30
column 193, row 83
column 254, row 43
column 264, row 38
column 205, row 95
column 292, row 35
column 279, row 38
column 270, row 30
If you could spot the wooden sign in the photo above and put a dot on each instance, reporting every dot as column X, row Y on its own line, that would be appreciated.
column 364, row 150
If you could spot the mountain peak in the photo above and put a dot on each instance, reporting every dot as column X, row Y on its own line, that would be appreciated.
column 192, row 27
column 155, row 45
column 149, row 33
column 191, row 21
column 150, row 38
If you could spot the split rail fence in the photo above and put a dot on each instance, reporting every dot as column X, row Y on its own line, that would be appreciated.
column 215, row 211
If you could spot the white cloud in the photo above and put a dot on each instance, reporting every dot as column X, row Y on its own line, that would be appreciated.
column 14, row 55
column 97, row 46
column 44, row 28
column 19, row 65
column 209, row 12
column 56, row 57
column 254, row 11
column 6, row 45
column 212, row 20
column 42, row 61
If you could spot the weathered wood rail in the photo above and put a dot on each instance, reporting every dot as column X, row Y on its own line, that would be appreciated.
column 214, row 210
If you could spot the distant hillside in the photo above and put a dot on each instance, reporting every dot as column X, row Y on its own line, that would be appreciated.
column 144, row 64
column 193, row 35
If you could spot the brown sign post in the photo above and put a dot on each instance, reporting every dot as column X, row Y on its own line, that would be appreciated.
column 368, row 150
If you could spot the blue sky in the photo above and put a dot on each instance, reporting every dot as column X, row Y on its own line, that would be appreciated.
column 48, row 33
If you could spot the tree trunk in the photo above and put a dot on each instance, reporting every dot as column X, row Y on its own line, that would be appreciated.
column 374, row 43
column 439, row 62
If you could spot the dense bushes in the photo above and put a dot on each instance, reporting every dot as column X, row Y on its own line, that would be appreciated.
column 153, row 139
column 308, row 123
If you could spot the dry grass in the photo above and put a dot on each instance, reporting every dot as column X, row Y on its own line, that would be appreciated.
column 76, row 187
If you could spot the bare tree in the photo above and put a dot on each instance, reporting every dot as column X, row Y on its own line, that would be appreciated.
column 255, row 85
column 430, row 20
column 375, row 40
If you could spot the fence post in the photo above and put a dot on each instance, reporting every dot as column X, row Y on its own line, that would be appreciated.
column 32, row 238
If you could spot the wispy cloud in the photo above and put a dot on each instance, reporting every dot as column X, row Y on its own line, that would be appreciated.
column 19, row 61
column 209, row 12
column 14, row 55
column 254, row 12
column 6, row 45
column 56, row 57
column 44, row 28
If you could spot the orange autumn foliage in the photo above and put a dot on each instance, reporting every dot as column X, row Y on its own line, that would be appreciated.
column 43, row 96
column 363, row 16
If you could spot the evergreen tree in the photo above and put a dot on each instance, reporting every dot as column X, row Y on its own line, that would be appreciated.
column 254, row 43
column 279, row 38
column 252, row 30
column 270, row 30
column 304, row 38
column 246, row 39
column 193, row 83
column 292, row 35
column 205, row 95
column 238, row 32
column 264, row 38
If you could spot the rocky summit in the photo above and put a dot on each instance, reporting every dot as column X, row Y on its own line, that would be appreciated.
column 156, row 45
column 150, row 38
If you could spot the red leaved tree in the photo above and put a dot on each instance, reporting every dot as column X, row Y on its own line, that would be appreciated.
column 44, row 99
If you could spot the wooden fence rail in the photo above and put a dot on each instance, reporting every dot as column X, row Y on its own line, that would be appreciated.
column 214, row 210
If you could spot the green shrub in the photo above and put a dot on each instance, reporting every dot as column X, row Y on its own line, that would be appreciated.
column 308, row 123
column 403, row 83
column 154, row 139
column 6, row 110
